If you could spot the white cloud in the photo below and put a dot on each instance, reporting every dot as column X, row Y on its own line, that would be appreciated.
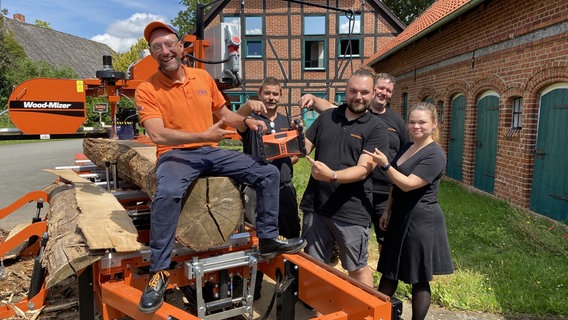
column 122, row 34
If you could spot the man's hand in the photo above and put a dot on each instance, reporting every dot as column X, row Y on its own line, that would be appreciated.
column 306, row 101
column 252, row 106
column 320, row 171
column 315, row 103
column 253, row 124
column 216, row 133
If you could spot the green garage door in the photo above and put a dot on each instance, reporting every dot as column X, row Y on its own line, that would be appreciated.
column 455, row 146
column 549, row 193
column 486, row 142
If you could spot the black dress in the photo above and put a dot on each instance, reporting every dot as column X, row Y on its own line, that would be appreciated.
column 416, row 244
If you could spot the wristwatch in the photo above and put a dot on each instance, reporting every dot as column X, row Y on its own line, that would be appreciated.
column 334, row 177
column 245, row 119
column 385, row 168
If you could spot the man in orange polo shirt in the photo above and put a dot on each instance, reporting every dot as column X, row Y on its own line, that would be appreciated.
column 176, row 107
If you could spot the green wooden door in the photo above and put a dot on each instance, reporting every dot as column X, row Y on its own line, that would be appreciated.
column 455, row 146
column 486, row 142
column 549, row 193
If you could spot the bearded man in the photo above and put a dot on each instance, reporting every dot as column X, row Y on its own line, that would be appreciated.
column 337, row 203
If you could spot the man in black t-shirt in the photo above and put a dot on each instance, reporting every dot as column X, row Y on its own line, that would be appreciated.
column 397, row 138
column 265, row 109
column 337, row 203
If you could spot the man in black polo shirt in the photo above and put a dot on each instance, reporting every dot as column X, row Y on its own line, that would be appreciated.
column 266, row 109
column 397, row 138
column 337, row 203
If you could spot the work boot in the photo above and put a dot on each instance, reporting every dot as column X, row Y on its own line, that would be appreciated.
column 153, row 295
column 271, row 247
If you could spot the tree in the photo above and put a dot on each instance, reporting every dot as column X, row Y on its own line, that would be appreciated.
column 185, row 20
column 43, row 24
column 408, row 10
column 16, row 67
column 10, row 52
column 121, row 61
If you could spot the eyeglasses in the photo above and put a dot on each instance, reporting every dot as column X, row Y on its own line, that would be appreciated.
column 272, row 131
column 169, row 44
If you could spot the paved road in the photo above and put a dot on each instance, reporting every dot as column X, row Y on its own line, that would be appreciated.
column 21, row 171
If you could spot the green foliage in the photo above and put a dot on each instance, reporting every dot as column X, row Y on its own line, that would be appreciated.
column 121, row 61
column 16, row 67
column 185, row 20
column 408, row 10
column 506, row 260
column 43, row 24
column 302, row 172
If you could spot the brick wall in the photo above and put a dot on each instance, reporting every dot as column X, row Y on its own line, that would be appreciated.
column 501, row 45
column 283, row 43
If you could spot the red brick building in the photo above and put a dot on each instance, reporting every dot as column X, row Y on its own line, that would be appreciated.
column 310, row 48
column 498, row 72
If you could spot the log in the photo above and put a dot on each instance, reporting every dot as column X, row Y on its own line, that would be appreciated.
column 66, row 251
column 84, row 221
column 212, row 210
column 135, row 161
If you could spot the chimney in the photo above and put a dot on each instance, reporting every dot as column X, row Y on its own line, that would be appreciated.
column 19, row 17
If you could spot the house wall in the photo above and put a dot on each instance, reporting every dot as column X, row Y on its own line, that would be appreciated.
column 283, row 42
column 516, row 48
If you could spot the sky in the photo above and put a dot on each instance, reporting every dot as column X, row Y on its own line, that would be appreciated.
column 116, row 23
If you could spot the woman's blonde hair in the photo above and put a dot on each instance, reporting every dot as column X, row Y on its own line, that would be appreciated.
column 427, row 106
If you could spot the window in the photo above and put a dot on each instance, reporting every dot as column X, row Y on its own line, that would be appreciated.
column 314, row 54
column 314, row 49
column 517, row 112
column 440, row 108
column 340, row 98
column 349, row 47
column 314, row 25
column 349, row 26
column 253, row 48
column 253, row 26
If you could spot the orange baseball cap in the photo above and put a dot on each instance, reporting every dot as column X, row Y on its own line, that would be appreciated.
column 157, row 25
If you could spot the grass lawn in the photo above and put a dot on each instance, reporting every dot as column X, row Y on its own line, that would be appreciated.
column 506, row 260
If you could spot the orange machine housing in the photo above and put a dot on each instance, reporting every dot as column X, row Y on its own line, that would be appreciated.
column 37, row 106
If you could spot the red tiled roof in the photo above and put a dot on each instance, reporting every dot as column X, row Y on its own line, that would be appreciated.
column 433, row 17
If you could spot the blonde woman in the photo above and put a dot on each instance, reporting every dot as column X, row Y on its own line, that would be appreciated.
column 416, row 244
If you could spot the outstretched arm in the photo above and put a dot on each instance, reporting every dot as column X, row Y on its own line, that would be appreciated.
column 251, row 106
column 358, row 172
column 237, row 121
column 316, row 103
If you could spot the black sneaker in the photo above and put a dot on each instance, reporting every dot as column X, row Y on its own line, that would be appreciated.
column 153, row 296
column 271, row 247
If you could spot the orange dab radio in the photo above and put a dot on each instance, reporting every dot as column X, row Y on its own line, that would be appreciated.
column 282, row 144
